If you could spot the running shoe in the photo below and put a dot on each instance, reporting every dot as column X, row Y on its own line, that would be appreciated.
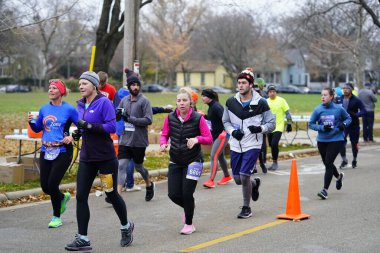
column 273, row 167
column 134, row 188
column 339, row 182
column 322, row 194
column 55, row 222
column 150, row 192
column 127, row 235
column 79, row 244
column 66, row 198
column 354, row 164
column 225, row 180
column 343, row 165
column 263, row 167
column 187, row 229
column 209, row 183
column 245, row 212
column 255, row 189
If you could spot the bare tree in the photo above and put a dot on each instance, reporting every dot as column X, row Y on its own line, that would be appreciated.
column 172, row 23
column 110, row 32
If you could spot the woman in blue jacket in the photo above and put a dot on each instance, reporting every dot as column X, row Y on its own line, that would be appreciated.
column 330, row 120
column 55, row 119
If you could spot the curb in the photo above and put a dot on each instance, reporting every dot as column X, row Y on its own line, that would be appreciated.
column 136, row 175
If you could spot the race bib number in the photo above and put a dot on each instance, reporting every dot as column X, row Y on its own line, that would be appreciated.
column 128, row 127
column 51, row 153
column 209, row 124
column 328, row 120
column 194, row 171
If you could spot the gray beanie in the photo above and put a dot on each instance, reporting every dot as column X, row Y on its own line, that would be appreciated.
column 92, row 77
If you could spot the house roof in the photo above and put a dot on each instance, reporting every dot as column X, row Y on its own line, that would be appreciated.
column 197, row 66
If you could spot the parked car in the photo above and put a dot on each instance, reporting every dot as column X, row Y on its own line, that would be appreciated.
column 221, row 90
column 287, row 89
column 17, row 88
column 153, row 88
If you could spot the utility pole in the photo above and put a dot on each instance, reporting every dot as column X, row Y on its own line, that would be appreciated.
column 131, row 14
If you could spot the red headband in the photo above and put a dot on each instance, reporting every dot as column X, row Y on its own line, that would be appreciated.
column 60, row 86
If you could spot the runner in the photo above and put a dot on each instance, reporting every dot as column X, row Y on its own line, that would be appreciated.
column 186, row 129
column 330, row 120
column 107, row 89
column 246, row 118
column 137, row 114
column 97, row 122
column 355, row 108
column 219, row 136
column 280, row 108
column 54, row 119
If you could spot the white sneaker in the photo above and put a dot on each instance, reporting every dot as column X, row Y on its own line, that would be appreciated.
column 135, row 188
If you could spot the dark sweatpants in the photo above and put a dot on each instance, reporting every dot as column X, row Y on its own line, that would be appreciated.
column 329, row 151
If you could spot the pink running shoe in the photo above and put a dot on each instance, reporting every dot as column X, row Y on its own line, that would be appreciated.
column 188, row 229
column 225, row 180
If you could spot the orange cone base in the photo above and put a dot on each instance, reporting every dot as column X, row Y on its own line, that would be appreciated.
column 294, row 217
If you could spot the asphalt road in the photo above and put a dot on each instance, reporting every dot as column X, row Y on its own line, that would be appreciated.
column 348, row 221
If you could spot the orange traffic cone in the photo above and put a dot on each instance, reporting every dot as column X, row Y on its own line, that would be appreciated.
column 293, row 206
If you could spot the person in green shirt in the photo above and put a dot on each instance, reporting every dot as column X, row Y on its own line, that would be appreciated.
column 280, row 108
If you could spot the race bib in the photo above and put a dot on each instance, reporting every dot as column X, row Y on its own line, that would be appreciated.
column 209, row 124
column 128, row 127
column 328, row 120
column 194, row 171
column 51, row 153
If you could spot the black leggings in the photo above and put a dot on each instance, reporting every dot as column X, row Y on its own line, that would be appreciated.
column 274, row 139
column 263, row 152
column 51, row 174
column 181, row 190
column 87, row 172
column 329, row 151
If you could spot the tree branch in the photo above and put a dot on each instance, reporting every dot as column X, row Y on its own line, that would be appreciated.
column 369, row 10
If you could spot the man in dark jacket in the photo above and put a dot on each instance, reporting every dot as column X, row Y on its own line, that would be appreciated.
column 355, row 109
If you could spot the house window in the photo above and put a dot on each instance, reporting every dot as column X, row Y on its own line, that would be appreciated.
column 291, row 79
column 202, row 79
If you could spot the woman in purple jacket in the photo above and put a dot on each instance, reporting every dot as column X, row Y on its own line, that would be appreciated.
column 97, row 120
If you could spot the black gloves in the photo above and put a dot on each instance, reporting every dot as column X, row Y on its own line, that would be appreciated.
column 119, row 113
column 238, row 134
column 84, row 124
column 255, row 129
column 76, row 135
column 168, row 110
column 327, row 128
column 289, row 127
column 342, row 126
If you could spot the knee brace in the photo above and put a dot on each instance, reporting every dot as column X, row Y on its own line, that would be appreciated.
column 106, row 181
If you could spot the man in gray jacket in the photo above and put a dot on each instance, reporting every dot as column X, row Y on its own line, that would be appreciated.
column 369, row 99
column 136, row 112
column 246, row 118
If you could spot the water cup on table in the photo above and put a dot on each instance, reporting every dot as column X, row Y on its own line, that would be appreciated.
column 24, row 132
column 16, row 131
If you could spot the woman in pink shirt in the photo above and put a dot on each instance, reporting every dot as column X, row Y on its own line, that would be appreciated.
column 187, row 129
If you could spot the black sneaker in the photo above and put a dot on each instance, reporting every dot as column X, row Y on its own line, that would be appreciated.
column 106, row 199
column 255, row 189
column 343, row 165
column 264, row 167
column 339, row 182
column 245, row 212
column 354, row 164
column 149, row 192
column 127, row 235
column 322, row 194
column 78, row 245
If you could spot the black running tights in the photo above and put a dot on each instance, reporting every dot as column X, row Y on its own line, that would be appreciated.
column 87, row 172
column 329, row 151
column 181, row 190
column 274, row 140
column 51, row 174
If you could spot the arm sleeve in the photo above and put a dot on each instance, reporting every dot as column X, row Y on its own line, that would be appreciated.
column 288, row 116
column 146, row 119
column 362, row 110
column 157, row 109
column 165, row 132
column 227, row 122
column 109, row 117
column 313, row 122
column 268, row 122
column 346, row 117
column 205, row 137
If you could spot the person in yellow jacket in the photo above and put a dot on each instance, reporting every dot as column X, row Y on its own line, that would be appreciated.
column 280, row 108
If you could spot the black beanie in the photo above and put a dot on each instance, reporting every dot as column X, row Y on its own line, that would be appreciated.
column 208, row 93
column 133, row 79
